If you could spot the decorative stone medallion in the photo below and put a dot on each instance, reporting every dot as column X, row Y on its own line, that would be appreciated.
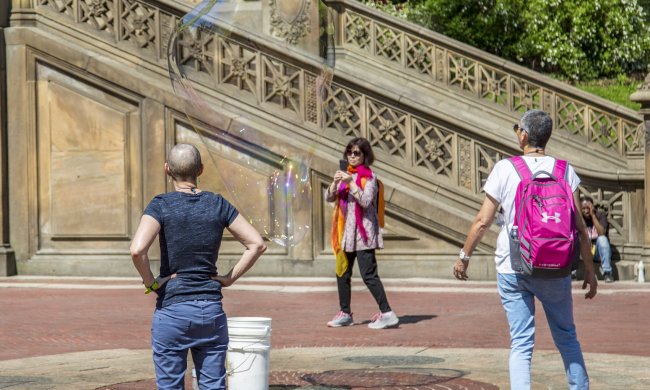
column 290, row 19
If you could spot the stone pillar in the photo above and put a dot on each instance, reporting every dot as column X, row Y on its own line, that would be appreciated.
column 642, row 96
column 22, row 12
column 21, row 4
column 7, row 259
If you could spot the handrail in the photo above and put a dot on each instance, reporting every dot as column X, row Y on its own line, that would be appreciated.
column 433, row 152
column 441, row 60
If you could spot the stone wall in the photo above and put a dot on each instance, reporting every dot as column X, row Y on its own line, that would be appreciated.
column 92, row 114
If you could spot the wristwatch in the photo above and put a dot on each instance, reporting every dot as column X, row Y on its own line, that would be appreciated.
column 463, row 256
column 154, row 286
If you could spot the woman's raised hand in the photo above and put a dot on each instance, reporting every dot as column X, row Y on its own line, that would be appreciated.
column 338, row 175
column 345, row 177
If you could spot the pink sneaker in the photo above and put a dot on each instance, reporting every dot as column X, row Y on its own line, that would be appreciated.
column 341, row 319
column 383, row 320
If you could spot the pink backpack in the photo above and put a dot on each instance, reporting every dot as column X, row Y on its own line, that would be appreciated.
column 543, row 236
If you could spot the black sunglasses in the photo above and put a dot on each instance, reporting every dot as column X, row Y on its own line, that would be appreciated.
column 355, row 153
column 516, row 128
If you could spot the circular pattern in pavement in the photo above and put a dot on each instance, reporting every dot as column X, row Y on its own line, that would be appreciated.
column 372, row 379
column 394, row 360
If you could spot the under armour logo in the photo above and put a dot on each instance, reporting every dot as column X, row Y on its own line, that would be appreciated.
column 546, row 217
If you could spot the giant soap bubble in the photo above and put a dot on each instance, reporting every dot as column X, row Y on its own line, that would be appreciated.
column 230, row 60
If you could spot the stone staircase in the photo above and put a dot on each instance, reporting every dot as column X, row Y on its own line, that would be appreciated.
column 438, row 113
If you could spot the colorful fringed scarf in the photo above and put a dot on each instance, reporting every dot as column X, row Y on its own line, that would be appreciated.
column 338, row 219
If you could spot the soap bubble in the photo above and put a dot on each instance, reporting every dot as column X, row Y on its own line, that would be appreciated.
column 275, row 56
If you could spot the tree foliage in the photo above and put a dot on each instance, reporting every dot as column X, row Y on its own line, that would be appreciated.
column 491, row 25
column 585, row 39
column 575, row 39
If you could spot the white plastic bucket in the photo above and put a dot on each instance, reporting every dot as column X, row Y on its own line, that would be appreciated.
column 249, row 350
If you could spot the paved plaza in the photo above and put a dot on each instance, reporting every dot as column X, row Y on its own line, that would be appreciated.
column 93, row 333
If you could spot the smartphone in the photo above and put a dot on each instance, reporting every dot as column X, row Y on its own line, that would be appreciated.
column 343, row 165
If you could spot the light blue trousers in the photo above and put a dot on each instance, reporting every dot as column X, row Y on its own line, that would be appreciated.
column 198, row 326
column 518, row 294
column 604, row 253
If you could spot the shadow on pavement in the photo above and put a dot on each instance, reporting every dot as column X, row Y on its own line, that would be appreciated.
column 415, row 318
column 407, row 319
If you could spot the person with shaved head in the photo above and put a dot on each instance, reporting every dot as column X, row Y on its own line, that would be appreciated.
column 189, row 316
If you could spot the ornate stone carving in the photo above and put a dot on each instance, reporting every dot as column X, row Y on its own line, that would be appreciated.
column 238, row 65
column 486, row 157
column 65, row 7
column 98, row 14
column 138, row 23
column 196, row 50
column 287, row 91
column 357, row 31
column 493, row 85
column 433, row 151
column 167, row 28
column 603, row 129
column 458, row 70
column 312, row 98
column 290, row 19
column 388, row 129
column 462, row 73
column 570, row 116
column 433, row 147
column 97, row 8
column 638, row 139
column 465, row 163
column 343, row 111
column 526, row 96
column 388, row 43
column 281, row 84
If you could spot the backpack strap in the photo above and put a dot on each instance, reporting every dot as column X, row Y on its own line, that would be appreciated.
column 521, row 167
column 560, row 169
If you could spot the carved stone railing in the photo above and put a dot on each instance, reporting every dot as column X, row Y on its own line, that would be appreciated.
column 146, row 27
column 440, row 60
column 256, row 75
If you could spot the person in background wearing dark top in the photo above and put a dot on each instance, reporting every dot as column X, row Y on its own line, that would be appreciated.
column 356, row 233
column 597, row 227
column 189, row 315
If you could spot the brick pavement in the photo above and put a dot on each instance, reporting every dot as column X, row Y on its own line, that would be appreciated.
column 38, row 322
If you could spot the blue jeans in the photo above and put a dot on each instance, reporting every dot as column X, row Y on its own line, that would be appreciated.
column 604, row 253
column 199, row 326
column 518, row 294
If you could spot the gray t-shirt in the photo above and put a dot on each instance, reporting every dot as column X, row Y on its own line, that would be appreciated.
column 191, row 229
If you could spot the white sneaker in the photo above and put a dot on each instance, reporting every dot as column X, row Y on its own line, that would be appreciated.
column 341, row 319
column 383, row 320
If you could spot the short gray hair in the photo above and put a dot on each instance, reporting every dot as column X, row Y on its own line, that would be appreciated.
column 539, row 126
column 184, row 161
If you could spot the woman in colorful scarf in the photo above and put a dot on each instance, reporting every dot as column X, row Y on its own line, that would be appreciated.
column 356, row 232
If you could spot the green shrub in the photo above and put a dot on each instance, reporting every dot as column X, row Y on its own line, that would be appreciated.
column 574, row 39
column 491, row 25
column 402, row 9
column 583, row 40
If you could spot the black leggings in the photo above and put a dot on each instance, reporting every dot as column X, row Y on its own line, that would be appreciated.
column 368, row 268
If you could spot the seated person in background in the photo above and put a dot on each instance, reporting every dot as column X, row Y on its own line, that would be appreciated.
column 597, row 227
